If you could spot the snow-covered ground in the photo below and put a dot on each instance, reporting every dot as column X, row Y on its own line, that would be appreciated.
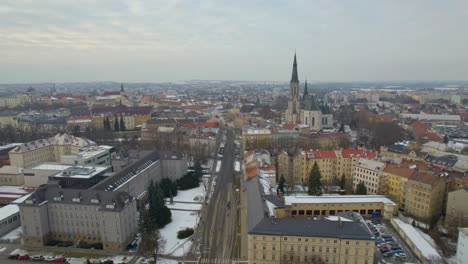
column 185, row 206
column 180, row 220
column 427, row 238
column 13, row 235
column 188, row 195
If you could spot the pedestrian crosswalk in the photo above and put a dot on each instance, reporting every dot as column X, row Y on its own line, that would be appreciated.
column 216, row 261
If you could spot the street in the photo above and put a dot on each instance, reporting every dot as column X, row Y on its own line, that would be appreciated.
column 219, row 229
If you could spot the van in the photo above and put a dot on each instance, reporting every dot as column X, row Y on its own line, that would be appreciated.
column 15, row 253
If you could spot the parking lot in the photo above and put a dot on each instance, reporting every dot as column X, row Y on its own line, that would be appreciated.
column 390, row 248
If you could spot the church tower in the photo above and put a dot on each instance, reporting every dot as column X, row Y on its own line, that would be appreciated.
column 294, row 110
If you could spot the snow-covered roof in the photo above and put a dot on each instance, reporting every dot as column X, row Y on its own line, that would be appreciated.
column 8, row 210
column 426, row 249
column 289, row 200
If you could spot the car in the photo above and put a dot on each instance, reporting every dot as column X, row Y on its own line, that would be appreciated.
column 384, row 250
column 376, row 233
column 60, row 259
column 94, row 261
column 380, row 240
column 387, row 254
column 398, row 251
column 23, row 257
column 384, row 247
column 400, row 256
column 380, row 245
column 108, row 261
column 389, row 239
column 394, row 244
column 49, row 258
column 37, row 258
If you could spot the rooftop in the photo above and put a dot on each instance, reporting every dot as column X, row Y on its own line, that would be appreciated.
column 289, row 200
column 311, row 228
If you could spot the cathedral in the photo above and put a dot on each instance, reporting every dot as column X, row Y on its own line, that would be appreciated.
column 306, row 110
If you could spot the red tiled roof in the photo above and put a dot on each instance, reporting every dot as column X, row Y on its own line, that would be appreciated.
column 323, row 135
column 420, row 128
column 433, row 137
column 346, row 153
column 289, row 126
column 321, row 154
column 251, row 172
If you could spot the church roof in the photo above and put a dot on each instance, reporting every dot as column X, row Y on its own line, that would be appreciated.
column 294, row 77
column 309, row 103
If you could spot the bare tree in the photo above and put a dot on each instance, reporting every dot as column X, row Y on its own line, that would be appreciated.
column 151, row 244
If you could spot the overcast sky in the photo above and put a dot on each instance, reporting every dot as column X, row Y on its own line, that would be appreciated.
column 131, row 41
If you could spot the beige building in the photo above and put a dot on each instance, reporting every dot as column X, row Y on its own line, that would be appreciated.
column 92, row 216
column 457, row 210
column 289, row 240
column 62, row 147
column 370, row 173
column 11, row 176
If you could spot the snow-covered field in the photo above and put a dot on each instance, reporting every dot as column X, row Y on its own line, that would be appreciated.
column 188, row 195
column 185, row 206
column 180, row 220
column 13, row 235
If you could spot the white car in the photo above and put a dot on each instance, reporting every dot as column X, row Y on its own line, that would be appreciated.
column 49, row 258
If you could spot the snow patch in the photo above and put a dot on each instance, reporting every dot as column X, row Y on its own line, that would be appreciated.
column 189, row 195
column 13, row 235
column 180, row 221
column 185, row 206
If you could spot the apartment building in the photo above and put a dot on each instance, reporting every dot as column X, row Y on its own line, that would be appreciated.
column 333, row 164
column 306, row 206
column 457, row 211
column 396, row 177
column 370, row 173
column 424, row 197
column 94, row 216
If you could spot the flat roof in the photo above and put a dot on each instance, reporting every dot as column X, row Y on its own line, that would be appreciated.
column 288, row 200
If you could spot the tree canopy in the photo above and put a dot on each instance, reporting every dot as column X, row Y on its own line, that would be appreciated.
column 315, row 184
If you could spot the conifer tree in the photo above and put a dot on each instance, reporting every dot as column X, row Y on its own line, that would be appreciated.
column 361, row 189
column 315, row 184
column 116, row 124
column 122, row 124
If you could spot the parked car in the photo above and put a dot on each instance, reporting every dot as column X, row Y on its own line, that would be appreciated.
column 400, row 256
column 95, row 261
column 24, row 256
column 387, row 254
column 108, row 261
column 380, row 241
column 60, row 259
column 37, row 258
column 15, row 254
column 384, row 247
column 380, row 245
column 393, row 244
column 49, row 258
column 398, row 251
column 389, row 239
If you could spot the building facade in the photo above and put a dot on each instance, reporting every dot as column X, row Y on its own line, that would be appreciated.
column 92, row 216
column 370, row 173
column 309, row 241
column 457, row 211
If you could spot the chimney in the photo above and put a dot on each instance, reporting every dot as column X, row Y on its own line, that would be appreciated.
column 340, row 223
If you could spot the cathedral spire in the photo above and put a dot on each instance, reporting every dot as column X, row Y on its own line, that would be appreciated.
column 306, row 93
column 294, row 77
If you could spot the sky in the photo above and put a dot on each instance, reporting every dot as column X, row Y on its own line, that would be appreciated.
column 174, row 40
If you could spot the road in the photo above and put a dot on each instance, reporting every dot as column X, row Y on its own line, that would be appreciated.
column 219, row 229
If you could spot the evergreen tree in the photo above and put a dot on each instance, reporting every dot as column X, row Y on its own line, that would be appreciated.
column 446, row 139
column 315, row 184
column 116, row 124
column 161, row 214
column 361, row 189
column 122, row 124
column 281, row 184
column 168, row 186
column 104, row 123
column 108, row 125
column 198, row 170
column 342, row 129
column 342, row 182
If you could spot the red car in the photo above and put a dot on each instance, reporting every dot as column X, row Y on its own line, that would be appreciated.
column 60, row 259
column 23, row 257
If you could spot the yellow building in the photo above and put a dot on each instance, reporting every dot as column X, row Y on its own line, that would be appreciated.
column 256, row 139
column 15, row 101
column 98, row 122
column 369, row 172
column 424, row 197
column 332, row 164
column 395, row 178
column 285, row 166
column 289, row 240
column 311, row 206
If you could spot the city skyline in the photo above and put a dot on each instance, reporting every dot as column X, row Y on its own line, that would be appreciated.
column 146, row 41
